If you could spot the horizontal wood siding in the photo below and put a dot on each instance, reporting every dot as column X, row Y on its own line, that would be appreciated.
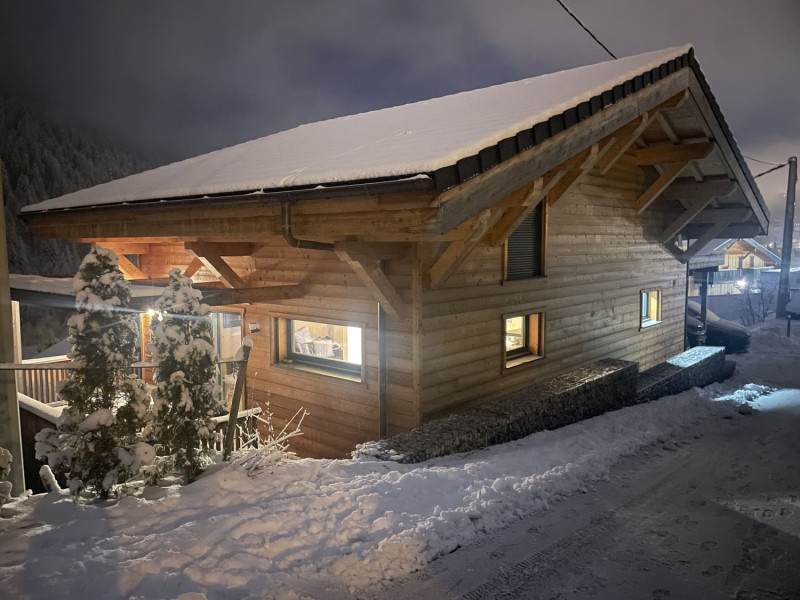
column 341, row 413
column 598, row 259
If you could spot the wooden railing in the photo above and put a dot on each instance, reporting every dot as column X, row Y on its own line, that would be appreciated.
column 41, row 381
column 247, row 422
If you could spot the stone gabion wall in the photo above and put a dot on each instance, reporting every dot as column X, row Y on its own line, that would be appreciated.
column 582, row 393
column 696, row 367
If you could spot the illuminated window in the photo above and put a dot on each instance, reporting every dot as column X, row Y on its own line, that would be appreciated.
column 326, row 348
column 524, row 338
column 650, row 307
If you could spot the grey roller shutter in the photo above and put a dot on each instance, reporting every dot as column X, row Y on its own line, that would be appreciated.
column 524, row 258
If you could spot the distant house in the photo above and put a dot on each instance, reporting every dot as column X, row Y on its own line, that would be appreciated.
column 396, row 265
column 739, row 262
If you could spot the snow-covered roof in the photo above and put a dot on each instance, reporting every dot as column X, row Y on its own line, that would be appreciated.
column 62, row 286
column 396, row 142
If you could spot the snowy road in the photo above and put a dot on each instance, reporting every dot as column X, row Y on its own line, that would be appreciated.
column 715, row 514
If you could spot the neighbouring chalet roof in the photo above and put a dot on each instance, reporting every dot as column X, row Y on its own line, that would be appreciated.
column 757, row 247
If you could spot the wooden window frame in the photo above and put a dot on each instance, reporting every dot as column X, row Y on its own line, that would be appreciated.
column 284, row 357
column 645, row 320
column 535, row 348
column 542, row 252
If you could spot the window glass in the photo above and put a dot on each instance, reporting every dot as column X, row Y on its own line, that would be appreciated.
column 324, row 340
column 524, row 338
column 650, row 307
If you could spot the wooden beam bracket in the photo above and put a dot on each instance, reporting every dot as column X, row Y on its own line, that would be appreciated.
column 369, row 271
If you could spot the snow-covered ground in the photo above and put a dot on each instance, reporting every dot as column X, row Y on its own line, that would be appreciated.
column 337, row 529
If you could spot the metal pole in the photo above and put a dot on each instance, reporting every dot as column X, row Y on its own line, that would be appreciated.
column 786, row 251
column 10, row 436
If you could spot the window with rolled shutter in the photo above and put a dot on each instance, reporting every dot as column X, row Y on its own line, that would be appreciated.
column 524, row 248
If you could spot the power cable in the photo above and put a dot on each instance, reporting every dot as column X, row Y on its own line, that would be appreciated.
column 775, row 168
column 763, row 162
column 585, row 28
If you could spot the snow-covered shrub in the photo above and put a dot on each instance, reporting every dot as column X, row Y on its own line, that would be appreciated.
column 187, row 395
column 265, row 447
column 97, row 437
column 6, row 460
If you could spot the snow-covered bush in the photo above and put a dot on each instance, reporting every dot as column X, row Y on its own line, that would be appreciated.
column 97, row 437
column 6, row 460
column 187, row 395
column 266, row 447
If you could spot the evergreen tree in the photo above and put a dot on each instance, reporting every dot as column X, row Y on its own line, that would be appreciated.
column 97, row 438
column 187, row 395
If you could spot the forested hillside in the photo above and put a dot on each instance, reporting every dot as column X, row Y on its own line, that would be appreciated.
column 42, row 159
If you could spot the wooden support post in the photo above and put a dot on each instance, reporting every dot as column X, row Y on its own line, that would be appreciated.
column 130, row 270
column 10, row 436
column 17, row 340
column 193, row 267
column 711, row 233
column 233, row 415
column 671, row 171
column 371, row 274
column 221, row 270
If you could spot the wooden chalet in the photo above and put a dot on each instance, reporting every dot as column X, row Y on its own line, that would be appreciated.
column 396, row 265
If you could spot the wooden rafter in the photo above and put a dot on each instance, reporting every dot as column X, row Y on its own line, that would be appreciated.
column 573, row 177
column 130, row 270
column 223, row 296
column 699, row 197
column 627, row 135
column 529, row 198
column 194, row 266
column 369, row 271
column 711, row 233
column 458, row 204
column 458, row 250
column 669, row 173
column 220, row 269
column 126, row 247
column 221, row 248
column 673, row 153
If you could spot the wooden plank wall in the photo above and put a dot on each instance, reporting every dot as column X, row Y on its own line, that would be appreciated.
column 342, row 413
column 598, row 259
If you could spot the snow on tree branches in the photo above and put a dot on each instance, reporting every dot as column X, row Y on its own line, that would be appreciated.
column 97, row 440
column 187, row 395
column 5, row 470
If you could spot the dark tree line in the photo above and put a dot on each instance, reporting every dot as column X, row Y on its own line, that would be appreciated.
column 41, row 160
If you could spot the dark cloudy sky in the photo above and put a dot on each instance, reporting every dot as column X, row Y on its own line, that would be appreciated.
column 178, row 78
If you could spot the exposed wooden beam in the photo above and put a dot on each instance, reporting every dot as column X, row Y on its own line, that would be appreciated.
column 193, row 267
column 224, row 296
column 532, row 195
column 573, row 177
column 220, row 269
column 126, row 247
column 673, row 153
column 689, row 189
column 715, row 215
column 221, row 248
column 711, row 233
column 371, row 274
column 375, row 250
column 627, row 136
column 666, row 127
column 462, row 202
column 130, row 270
column 458, row 250
column 734, row 230
column 695, row 208
column 669, row 173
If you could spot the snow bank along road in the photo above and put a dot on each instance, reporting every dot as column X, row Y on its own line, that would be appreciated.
column 705, row 505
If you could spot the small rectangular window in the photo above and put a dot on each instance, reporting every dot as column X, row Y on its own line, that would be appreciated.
column 524, row 338
column 650, row 307
column 315, row 346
